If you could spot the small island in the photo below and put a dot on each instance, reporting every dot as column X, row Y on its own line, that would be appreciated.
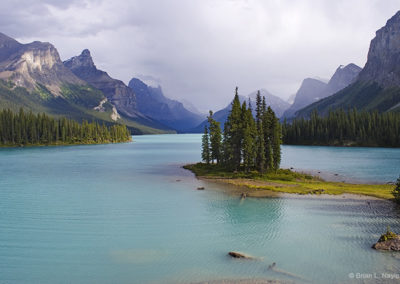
column 248, row 154
column 254, row 184
column 29, row 129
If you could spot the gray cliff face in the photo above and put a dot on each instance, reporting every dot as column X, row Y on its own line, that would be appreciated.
column 28, row 65
column 152, row 102
column 309, row 92
column 117, row 93
column 377, row 87
column 312, row 90
column 343, row 76
column 383, row 64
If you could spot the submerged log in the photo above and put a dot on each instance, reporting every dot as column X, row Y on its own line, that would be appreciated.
column 200, row 188
column 283, row 272
column 236, row 254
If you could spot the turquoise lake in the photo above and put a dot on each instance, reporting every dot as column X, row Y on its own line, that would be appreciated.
column 128, row 213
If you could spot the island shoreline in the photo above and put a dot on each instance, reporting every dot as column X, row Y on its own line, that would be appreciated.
column 316, row 188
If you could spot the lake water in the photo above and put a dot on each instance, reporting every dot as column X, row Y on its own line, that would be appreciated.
column 127, row 213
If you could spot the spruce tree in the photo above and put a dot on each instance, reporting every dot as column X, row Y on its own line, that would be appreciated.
column 270, row 156
column 215, row 138
column 205, row 153
column 249, row 137
column 233, row 135
column 276, row 143
column 260, row 137
column 396, row 191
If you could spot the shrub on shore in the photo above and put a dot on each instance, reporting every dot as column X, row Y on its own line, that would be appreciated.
column 396, row 191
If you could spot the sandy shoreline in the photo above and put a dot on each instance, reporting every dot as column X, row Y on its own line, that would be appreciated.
column 231, row 186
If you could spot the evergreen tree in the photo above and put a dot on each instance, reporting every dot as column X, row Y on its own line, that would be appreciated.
column 234, row 134
column 396, row 191
column 249, row 138
column 276, row 141
column 255, row 142
column 260, row 138
column 205, row 153
column 269, row 156
column 215, row 138
column 260, row 149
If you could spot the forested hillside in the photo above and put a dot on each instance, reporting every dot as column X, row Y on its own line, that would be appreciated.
column 23, row 128
column 343, row 128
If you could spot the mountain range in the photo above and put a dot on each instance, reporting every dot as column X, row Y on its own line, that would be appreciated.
column 121, row 97
column 377, row 86
column 33, row 76
column 152, row 102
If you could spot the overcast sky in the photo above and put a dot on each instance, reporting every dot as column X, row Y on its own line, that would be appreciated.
column 199, row 50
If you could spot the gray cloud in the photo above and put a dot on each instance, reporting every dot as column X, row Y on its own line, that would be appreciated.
column 201, row 49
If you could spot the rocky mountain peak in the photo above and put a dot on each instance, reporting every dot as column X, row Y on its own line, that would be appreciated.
column 343, row 76
column 84, row 60
column 8, row 46
column 137, row 84
column 5, row 39
column 29, row 64
column 383, row 64
column 86, row 53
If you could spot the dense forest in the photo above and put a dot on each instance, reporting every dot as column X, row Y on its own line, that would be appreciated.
column 246, row 143
column 345, row 128
column 24, row 128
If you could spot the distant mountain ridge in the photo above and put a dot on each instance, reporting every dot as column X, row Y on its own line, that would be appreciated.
column 116, row 92
column 313, row 90
column 152, row 102
column 377, row 87
column 277, row 104
column 309, row 92
column 32, row 76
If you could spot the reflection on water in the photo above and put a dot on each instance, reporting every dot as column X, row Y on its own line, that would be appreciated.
column 127, row 213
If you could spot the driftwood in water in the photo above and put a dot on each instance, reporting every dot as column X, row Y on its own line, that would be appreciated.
column 236, row 254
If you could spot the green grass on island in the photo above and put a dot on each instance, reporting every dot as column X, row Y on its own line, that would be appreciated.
column 286, row 181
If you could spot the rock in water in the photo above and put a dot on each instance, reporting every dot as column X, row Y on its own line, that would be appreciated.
column 388, row 241
column 391, row 244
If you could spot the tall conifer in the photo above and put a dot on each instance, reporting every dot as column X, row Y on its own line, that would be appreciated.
column 205, row 153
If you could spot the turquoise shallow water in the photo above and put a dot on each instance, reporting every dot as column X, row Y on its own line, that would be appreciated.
column 127, row 213
column 359, row 164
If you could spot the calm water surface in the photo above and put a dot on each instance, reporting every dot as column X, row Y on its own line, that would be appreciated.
column 127, row 213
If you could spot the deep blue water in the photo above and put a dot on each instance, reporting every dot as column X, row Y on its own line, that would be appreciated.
column 127, row 213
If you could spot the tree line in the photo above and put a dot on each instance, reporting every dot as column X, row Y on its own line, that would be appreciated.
column 345, row 128
column 24, row 128
column 246, row 143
